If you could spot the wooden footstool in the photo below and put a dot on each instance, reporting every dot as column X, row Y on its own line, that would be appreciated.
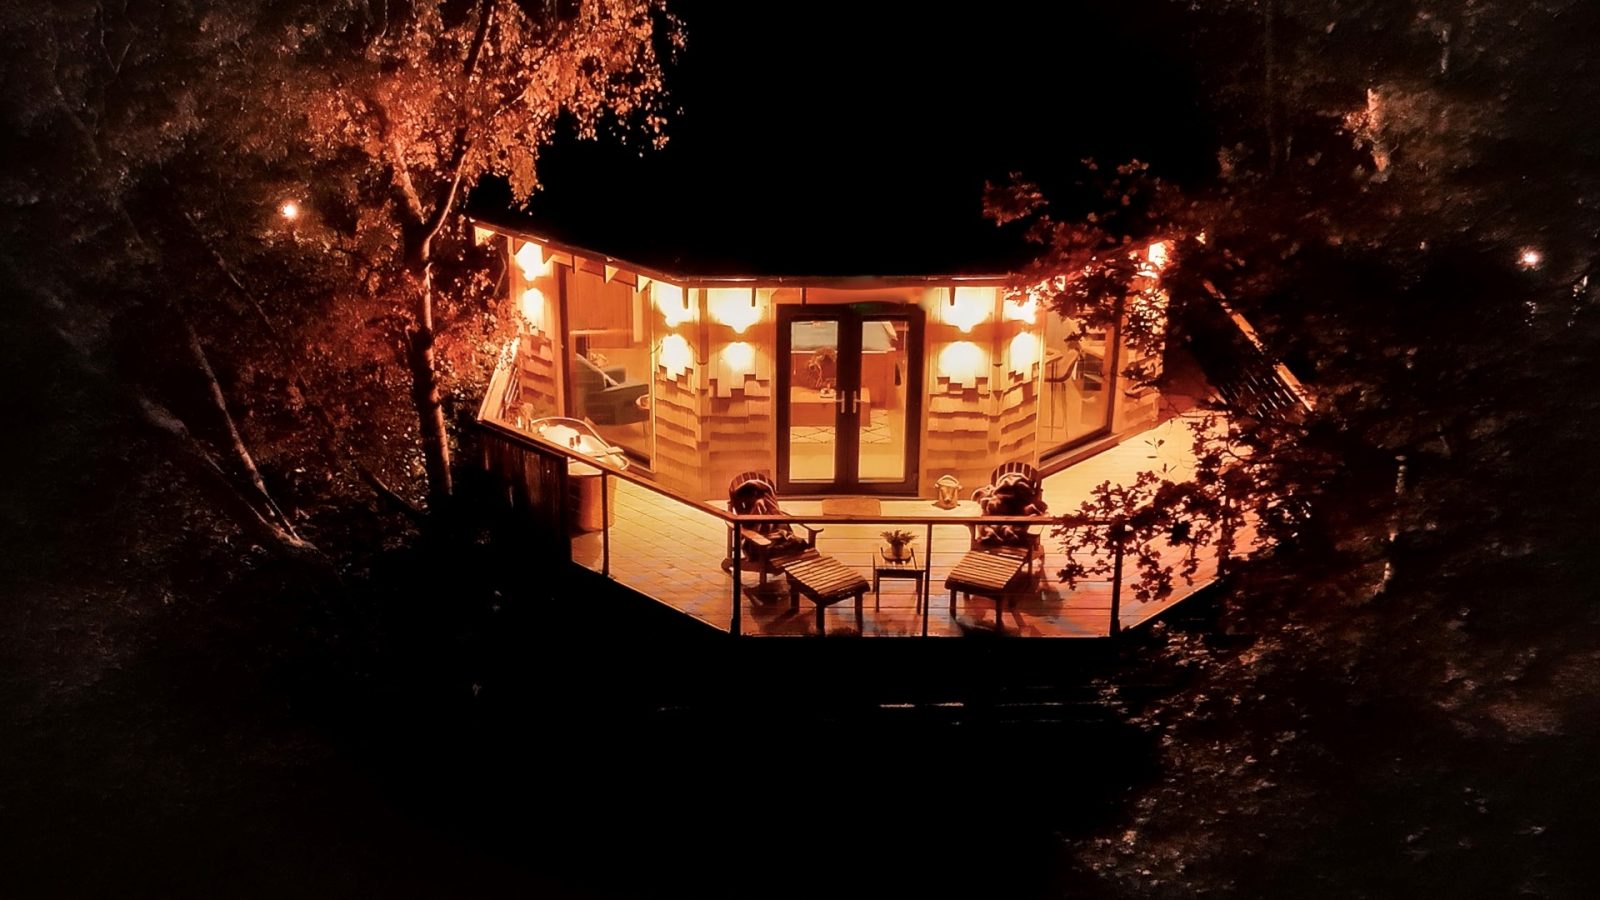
column 824, row 581
column 987, row 573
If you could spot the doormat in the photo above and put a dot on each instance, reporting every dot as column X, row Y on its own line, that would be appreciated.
column 851, row 506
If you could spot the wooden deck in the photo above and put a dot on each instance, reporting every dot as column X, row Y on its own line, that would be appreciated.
column 675, row 554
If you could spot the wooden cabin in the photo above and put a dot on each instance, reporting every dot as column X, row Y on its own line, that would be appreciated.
column 855, row 385
column 632, row 399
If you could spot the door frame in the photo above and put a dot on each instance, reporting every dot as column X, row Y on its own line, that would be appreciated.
column 847, row 422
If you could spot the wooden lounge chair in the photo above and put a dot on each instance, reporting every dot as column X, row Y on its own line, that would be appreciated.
column 754, row 493
column 774, row 547
column 1001, row 551
column 1014, row 489
column 987, row 573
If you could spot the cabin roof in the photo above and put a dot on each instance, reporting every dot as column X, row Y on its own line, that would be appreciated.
column 908, row 249
column 667, row 257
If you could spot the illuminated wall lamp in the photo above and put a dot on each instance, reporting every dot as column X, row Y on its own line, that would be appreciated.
column 533, row 308
column 961, row 361
column 740, row 358
column 1021, row 308
column 968, row 306
column 1024, row 352
column 675, row 356
column 532, row 261
column 733, row 307
column 673, row 302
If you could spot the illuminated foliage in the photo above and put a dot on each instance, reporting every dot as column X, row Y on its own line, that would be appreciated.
column 170, row 142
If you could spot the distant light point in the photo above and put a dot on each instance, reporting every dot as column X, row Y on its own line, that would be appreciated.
column 1529, row 258
column 289, row 210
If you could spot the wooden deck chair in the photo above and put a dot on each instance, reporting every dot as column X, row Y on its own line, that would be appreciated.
column 754, row 493
column 774, row 547
column 1014, row 489
column 1000, row 552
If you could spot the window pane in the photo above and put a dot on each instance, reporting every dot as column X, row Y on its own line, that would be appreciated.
column 813, row 399
column 609, row 360
column 882, row 400
column 1077, row 381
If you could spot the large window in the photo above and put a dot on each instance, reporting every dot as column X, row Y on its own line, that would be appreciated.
column 1078, row 381
column 608, row 365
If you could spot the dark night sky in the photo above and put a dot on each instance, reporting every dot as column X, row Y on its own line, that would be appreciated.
column 816, row 139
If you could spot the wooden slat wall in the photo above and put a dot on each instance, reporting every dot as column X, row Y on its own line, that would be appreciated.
column 1015, row 435
column 679, row 460
column 535, row 384
column 593, row 304
column 740, row 421
column 960, row 410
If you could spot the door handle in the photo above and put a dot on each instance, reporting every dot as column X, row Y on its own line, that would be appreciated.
column 855, row 402
column 838, row 401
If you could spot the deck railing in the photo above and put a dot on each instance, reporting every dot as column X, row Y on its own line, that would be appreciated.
column 536, row 477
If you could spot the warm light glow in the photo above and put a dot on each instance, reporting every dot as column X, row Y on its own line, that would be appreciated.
column 1530, row 258
column 733, row 307
column 673, row 303
column 533, row 307
column 1157, row 255
column 531, row 260
column 961, row 361
column 676, row 357
column 969, row 306
column 1024, row 352
column 481, row 235
column 1021, row 308
column 290, row 210
column 739, row 357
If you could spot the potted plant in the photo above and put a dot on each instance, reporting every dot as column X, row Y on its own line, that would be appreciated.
column 899, row 542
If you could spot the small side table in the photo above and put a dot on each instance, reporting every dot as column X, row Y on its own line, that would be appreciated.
column 883, row 567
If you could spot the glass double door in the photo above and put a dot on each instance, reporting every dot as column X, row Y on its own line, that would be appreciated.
column 849, row 398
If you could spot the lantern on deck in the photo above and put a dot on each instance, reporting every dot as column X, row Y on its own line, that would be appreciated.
column 949, row 490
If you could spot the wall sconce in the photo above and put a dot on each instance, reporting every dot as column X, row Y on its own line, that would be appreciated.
column 733, row 307
column 673, row 301
column 676, row 356
column 961, row 361
column 1024, row 352
column 1021, row 307
column 968, row 306
column 481, row 235
column 532, row 308
column 532, row 261
column 740, row 358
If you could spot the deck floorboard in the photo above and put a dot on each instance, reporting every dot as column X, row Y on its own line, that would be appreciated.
column 676, row 554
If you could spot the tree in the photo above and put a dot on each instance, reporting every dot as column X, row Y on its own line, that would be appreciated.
column 1416, row 241
column 437, row 96
column 286, row 180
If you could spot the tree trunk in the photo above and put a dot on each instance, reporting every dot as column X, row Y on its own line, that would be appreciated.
column 425, row 392
column 214, row 482
column 197, row 350
column 333, row 445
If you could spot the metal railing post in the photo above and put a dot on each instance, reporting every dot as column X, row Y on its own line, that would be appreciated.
column 738, row 586
column 1116, row 585
column 927, row 579
column 605, row 525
